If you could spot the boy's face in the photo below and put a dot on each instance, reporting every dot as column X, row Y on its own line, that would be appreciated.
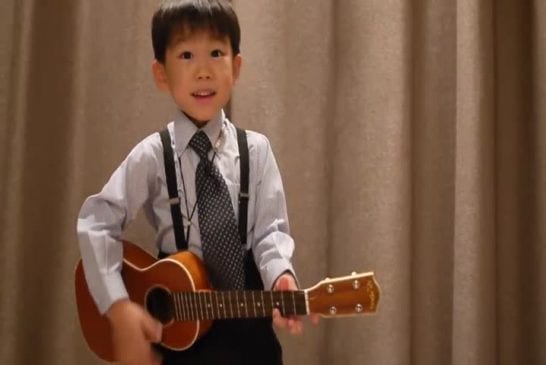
column 199, row 72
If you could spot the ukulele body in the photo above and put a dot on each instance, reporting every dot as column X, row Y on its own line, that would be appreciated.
column 147, row 281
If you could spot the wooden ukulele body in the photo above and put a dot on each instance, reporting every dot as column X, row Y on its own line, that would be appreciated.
column 141, row 273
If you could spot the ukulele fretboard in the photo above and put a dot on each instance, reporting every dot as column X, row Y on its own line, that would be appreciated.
column 191, row 306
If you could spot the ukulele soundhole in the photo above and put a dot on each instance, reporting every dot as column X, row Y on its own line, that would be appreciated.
column 159, row 303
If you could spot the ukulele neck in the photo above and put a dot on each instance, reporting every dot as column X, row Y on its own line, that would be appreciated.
column 190, row 306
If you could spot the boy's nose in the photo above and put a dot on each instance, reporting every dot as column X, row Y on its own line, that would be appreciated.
column 203, row 72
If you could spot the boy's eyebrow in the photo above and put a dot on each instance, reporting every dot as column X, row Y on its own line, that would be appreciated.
column 181, row 37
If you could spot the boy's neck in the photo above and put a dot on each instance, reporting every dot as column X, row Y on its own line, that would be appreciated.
column 198, row 123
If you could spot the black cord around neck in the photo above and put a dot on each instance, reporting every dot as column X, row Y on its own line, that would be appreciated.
column 188, row 214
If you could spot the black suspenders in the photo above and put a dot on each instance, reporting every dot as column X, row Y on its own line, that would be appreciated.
column 174, row 199
column 243, row 192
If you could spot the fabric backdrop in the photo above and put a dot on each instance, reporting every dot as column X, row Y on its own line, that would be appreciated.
column 411, row 136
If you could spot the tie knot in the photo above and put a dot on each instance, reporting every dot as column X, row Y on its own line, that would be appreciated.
column 201, row 144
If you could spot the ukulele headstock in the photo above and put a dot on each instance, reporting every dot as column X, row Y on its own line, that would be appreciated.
column 354, row 294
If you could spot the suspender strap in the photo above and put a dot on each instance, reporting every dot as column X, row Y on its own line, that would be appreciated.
column 174, row 199
column 243, row 192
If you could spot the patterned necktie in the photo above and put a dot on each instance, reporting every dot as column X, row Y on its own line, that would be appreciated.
column 222, row 248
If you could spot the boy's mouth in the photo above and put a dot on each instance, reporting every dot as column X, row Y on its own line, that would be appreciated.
column 203, row 94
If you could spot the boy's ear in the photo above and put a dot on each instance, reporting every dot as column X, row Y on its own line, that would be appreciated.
column 237, row 61
column 160, row 76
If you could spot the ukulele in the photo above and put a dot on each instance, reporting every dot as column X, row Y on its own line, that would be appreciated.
column 175, row 290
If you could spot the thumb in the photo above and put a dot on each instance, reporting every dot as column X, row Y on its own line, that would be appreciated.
column 152, row 329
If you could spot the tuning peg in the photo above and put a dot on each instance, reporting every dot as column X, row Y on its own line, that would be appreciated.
column 359, row 308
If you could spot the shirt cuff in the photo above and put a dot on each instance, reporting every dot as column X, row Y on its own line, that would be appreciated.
column 275, row 268
column 113, row 290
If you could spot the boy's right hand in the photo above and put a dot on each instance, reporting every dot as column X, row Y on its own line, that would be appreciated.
column 133, row 332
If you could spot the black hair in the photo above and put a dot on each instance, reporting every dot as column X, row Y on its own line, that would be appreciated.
column 174, row 16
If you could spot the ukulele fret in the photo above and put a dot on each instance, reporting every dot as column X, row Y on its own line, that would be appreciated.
column 187, row 305
column 272, row 301
column 213, row 314
column 178, row 306
column 236, row 303
column 195, row 306
column 186, row 309
column 204, row 304
column 294, row 302
column 211, row 306
column 221, row 305
column 201, row 308
column 243, row 305
column 224, row 304
column 203, row 301
column 216, row 305
column 230, row 305
column 263, row 302
column 254, row 304
column 246, row 304
column 198, row 309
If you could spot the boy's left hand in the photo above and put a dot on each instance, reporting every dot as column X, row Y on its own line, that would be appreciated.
column 293, row 323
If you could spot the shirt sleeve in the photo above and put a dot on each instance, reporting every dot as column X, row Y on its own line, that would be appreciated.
column 272, row 244
column 102, row 219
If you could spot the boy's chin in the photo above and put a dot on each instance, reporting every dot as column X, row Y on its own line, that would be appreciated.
column 199, row 120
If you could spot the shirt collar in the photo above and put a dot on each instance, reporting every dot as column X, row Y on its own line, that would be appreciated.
column 184, row 129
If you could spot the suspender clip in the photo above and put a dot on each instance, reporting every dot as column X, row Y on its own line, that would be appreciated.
column 174, row 201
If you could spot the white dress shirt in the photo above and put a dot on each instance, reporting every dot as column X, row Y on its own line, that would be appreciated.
column 139, row 182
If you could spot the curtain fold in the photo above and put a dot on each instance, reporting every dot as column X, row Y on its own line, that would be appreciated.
column 520, row 249
column 411, row 137
column 474, row 263
column 433, row 137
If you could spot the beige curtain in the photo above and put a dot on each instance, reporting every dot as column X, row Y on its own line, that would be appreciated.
column 411, row 136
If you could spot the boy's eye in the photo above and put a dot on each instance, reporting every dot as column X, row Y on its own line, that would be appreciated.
column 217, row 53
column 186, row 55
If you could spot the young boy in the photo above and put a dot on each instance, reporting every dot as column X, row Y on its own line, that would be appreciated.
column 197, row 61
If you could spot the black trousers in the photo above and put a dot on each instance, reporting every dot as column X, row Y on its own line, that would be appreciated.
column 237, row 342
column 233, row 342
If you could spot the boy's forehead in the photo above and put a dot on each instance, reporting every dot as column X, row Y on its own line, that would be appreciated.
column 184, row 34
